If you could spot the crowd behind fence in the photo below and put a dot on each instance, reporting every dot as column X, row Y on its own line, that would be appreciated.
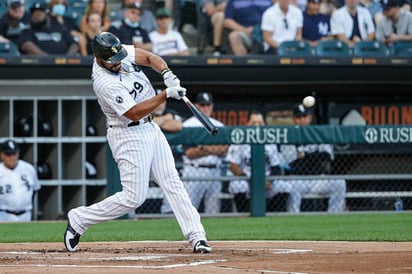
column 369, row 170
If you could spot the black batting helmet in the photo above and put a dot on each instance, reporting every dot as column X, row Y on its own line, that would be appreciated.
column 108, row 47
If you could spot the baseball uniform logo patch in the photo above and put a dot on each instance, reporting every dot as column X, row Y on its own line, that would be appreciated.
column 119, row 99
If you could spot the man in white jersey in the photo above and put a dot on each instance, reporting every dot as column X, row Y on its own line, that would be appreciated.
column 204, row 161
column 139, row 147
column 18, row 184
column 240, row 164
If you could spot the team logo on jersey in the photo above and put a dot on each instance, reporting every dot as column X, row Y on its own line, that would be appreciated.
column 119, row 99
column 114, row 50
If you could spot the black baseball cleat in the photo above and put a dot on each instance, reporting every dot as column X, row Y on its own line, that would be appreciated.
column 71, row 238
column 202, row 247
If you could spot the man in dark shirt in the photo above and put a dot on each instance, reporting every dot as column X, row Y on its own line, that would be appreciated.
column 316, row 26
column 46, row 36
column 14, row 21
column 129, row 30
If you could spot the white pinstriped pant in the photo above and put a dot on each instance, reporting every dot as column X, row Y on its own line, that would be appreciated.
column 141, row 152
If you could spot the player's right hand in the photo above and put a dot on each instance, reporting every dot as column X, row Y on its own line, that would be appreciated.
column 176, row 92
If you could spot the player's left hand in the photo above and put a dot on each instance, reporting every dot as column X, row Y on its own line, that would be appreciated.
column 170, row 79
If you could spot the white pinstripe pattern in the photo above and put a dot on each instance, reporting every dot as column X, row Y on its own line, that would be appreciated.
column 140, row 152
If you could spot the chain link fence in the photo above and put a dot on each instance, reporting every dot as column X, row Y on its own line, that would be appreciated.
column 325, row 178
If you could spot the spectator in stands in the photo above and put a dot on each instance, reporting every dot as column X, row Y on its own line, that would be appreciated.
column 316, row 26
column 147, row 20
column 14, row 21
column 94, row 26
column 375, row 9
column 239, row 159
column 312, row 159
column 327, row 7
column 57, row 11
column 129, row 31
column 102, row 7
column 397, row 24
column 352, row 23
column 281, row 22
column 241, row 17
column 166, row 41
column 203, row 161
column 215, row 11
column 45, row 37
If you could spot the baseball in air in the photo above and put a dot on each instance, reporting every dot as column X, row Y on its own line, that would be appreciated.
column 309, row 101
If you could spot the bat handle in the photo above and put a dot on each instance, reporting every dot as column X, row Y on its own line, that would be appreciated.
column 185, row 99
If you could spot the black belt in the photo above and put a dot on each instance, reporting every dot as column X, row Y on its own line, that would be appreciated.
column 204, row 166
column 136, row 123
column 18, row 213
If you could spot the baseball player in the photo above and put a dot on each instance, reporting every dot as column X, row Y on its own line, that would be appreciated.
column 204, row 161
column 239, row 159
column 139, row 147
column 18, row 184
column 311, row 159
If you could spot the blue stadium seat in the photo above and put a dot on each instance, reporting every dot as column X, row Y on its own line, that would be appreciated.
column 403, row 48
column 370, row 49
column 333, row 48
column 295, row 48
column 8, row 49
column 3, row 7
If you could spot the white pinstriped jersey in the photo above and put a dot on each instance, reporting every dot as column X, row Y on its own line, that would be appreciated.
column 119, row 92
column 17, row 186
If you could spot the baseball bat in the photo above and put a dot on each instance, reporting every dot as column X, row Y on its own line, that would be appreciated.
column 207, row 124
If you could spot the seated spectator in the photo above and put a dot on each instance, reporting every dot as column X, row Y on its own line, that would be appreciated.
column 312, row 159
column 14, row 21
column 239, row 159
column 102, row 7
column 316, row 26
column 58, row 10
column 241, row 17
column 281, row 22
column 165, row 41
column 45, row 37
column 215, row 11
column 19, row 180
column 375, row 9
column 397, row 24
column 352, row 23
column 327, row 7
column 129, row 31
column 94, row 26
column 147, row 19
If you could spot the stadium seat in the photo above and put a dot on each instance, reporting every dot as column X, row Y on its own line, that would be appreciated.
column 333, row 48
column 295, row 48
column 3, row 7
column 8, row 49
column 402, row 48
column 370, row 49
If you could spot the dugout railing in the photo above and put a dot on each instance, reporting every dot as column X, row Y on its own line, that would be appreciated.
column 375, row 161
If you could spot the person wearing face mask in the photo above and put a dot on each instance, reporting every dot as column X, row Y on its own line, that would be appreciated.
column 58, row 10
column 129, row 30
column 45, row 37
column 14, row 21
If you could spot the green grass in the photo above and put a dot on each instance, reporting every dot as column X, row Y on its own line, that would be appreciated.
column 346, row 227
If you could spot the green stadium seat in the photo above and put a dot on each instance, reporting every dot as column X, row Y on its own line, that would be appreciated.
column 8, row 49
column 333, row 48
column 403, row 48
column 370, row 49
column 295, row 48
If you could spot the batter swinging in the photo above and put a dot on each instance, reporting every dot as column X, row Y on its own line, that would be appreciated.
column 139, row 147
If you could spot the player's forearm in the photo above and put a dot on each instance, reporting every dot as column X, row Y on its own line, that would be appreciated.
column 142, row 109
column 146, row 58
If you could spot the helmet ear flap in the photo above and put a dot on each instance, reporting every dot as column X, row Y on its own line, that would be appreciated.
column 108, row 47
